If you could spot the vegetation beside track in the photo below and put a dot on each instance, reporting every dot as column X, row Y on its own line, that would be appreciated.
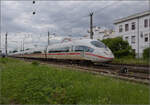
column 124, row 54
column 33, row 83
column 119, row 47
column 131, row 61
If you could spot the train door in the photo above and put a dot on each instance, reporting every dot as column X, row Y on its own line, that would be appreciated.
column 82, row 53
column 81, row 50
column 77, row 53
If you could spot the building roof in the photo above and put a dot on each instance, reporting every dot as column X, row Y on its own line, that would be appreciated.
column 137, row 15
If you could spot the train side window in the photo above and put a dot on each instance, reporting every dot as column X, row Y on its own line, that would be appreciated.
column 88, row 49
column 37, row 52
column 79, row 48
column 50, row 51
column 63, row 49
column 71, row 48
column 84, row 48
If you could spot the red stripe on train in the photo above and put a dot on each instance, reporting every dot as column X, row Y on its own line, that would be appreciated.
column 79, row 54
column 98, row 56
column 63, row 53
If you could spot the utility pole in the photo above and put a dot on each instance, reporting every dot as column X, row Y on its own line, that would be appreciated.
column 91, row 25
column 48, row 38
column 138, row 37
column 149, row 5
column 23, row 46
column 6, row 43
column 0, row 44
column 149, row 22
column 0, row 32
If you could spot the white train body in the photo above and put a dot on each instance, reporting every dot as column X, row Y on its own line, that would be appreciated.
column 85, row 49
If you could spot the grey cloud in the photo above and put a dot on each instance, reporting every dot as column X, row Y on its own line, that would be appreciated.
column 64, row 18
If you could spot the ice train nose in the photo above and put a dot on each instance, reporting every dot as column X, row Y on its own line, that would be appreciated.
column 109, row 55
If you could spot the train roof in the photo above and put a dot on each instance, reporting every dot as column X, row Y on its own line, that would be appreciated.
column 73, row 42
column 28, row 51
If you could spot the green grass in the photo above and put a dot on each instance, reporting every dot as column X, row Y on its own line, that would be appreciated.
column 33, row 83
column 131, row 61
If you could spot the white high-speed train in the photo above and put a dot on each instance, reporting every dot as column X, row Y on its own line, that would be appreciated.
column 84, row 49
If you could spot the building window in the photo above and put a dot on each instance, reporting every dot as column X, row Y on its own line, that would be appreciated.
column 133, row 39
column 120, row 28
column 149, row 22
column 146, row 23
column 126, row 38
column 126, row 27
column 133, row 26
column 141, row 34
column 146, row 38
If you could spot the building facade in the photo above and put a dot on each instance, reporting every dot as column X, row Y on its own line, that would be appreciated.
column 136, row 30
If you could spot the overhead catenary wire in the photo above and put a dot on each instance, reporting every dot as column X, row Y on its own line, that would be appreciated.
column 98, row 12
column 107, row 6
column 91, row 17
column 36, row 6
column 93, row 13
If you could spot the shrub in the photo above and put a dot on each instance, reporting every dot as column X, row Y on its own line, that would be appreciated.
column 119, row 47
column 146, row 53
column 36, row 63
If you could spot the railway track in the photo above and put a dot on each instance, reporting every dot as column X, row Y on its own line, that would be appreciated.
column 133, row 73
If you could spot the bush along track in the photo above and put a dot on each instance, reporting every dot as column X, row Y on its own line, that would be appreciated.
column 33, row 83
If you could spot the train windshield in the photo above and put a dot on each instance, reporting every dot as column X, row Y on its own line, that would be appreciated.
column 98, row 44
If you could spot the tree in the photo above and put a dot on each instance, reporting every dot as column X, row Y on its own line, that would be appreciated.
column 146, row 53
column 119, row 47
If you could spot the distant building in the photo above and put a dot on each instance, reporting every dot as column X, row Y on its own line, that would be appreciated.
column 101, row 33
column 136, row 30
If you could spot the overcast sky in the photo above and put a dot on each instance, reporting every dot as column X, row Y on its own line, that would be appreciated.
column 60, row 17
